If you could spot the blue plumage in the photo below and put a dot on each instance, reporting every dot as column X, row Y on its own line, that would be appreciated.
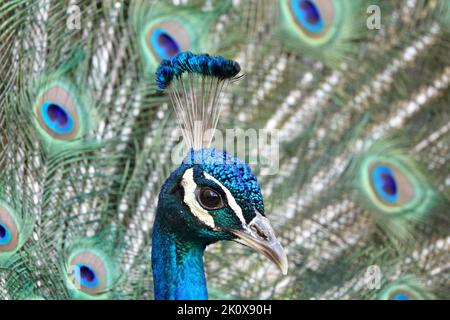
column 400, row 296
column 181, row 230
column 177, row 265
column 212, row 195
column 307, row 15
column 56, row 118
column 232, row 173
column 86, row 276
column 164, row 44
column 164, row 74
column 5, row 235
column 384, row 183
column 203, row 64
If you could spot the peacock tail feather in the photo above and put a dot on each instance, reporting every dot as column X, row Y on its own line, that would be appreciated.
column 363, row 121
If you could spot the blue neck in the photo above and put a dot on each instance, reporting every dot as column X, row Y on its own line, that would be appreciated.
column 177, row 263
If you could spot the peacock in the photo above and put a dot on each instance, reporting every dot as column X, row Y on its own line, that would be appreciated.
column 212, row 195
column 117, row 182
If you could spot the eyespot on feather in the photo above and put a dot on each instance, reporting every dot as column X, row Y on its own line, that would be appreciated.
column 57, row 113
column 313, row 22
column 324, row 30
column 88, row 273
column 389, row 184
column 9, row 233
column 163, row 38
column 60, row 111
column 312, row 17
column 395, row 185
column 407, row 287
column 167, row 38
column 401, row 295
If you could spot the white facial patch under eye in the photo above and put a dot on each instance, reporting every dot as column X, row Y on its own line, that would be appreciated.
column 230, row 199
column 189, row 199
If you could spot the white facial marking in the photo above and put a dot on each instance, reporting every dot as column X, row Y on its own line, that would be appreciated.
column 189, row 186
column 230, row 199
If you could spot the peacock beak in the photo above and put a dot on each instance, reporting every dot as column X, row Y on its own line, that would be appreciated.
column 260, row 236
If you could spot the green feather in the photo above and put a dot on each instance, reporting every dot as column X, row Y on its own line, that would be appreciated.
column 344, row 22
column 75, row 102
column 101, row 254
column 190, row 28
column 407, row 287
column 415, row 196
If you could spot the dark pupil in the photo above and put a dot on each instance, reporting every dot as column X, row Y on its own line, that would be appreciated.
column 56, row 113
column 209, row 198
column 312, row 13
column 2, row 231
column 169, row 44
column 87, row 274
column 389, row 185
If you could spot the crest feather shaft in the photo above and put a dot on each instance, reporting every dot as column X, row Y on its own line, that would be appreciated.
column 194, row 83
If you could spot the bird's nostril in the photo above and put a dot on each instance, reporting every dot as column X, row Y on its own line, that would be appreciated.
column 259, row 232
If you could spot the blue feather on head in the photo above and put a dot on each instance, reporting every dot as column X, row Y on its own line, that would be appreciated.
column 202, row 64
column 234, row 174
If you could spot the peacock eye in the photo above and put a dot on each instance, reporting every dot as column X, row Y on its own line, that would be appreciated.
column 164, row 44
column 89, row 273
column 401, row 295
column 390, row 185
column 5, row 235
column 308, row 15
column 209, row 199
column 384, row 183
column 56, row 118
column 166, row 38
column 86, row 276
column 9, row 234
column 408, row 287
column 312, row 17
column 58, row 114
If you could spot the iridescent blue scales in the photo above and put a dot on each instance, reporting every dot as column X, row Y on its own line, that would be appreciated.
column 234, row 174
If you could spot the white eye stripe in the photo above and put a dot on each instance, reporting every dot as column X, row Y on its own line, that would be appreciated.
column 230, row 199
column 189, row 199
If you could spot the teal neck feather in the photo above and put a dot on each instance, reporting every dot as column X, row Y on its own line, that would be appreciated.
column 178, row 271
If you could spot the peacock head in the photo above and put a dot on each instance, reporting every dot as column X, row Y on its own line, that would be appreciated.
column 214, row 196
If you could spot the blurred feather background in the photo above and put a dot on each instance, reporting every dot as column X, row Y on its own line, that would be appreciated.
column 363, row 116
